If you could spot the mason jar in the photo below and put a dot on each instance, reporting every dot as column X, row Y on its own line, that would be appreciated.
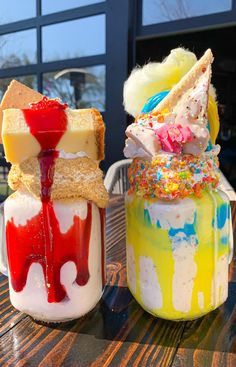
column 60, row 280
column 178, row 253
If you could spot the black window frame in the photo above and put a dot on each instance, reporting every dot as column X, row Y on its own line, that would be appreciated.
column 191, row 24
column 37, row 23
column 123, row 29
column 115, row 60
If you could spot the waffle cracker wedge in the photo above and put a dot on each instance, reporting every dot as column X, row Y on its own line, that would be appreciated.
column 17, row 96
column 73, row 178
column 186, row 82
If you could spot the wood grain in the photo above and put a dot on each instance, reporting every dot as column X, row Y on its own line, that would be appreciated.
column 118, row 332
column 211, row 340
column 9, row 316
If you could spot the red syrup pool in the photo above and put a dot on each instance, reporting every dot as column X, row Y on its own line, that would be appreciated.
column 40, row 240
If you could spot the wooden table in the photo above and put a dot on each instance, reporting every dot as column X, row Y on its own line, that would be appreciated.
column 118, row 332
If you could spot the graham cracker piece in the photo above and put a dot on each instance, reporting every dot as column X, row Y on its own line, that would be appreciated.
column 19, row 96
column 186, row 82
column 99, row 128
column 73, row 178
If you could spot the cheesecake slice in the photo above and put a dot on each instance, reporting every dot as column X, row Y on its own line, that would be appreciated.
column 85, row 133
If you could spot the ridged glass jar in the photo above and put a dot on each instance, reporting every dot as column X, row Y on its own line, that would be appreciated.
column 178, row 253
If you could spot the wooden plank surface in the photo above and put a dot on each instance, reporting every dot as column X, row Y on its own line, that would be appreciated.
column 210, row 340
column 118, row 332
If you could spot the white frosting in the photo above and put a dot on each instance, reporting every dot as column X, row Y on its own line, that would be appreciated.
column 219, row 290
column 176, row 215
column 81, row 299
column 192, row 106
column 185, row 270
column 200, row 297
column 173, row 215
column 65, row 212
column 20, row 207
column 132, row 150
column 145, row 138
column 64, row 155
column 149, row 284
column 23, row 206
column 200, row 141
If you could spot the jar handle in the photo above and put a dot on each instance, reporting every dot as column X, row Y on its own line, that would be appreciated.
column 231, row 238
column 3, row 248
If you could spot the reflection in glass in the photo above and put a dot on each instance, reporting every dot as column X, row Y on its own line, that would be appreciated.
column 14, row 10
column 29, row 80
column 60, row 5
column 80, row 88
column 75, row 38
column 161, row 11
column 18, row 48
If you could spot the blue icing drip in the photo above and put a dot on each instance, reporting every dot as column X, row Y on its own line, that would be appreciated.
column 224, row 240
column 158, row 224
column 153, row 101
column 209, row 145
column 222, row 214
column 147, row 219
column 187, row 234
column 188, row 229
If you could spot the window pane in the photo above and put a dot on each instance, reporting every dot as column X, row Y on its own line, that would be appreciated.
column 161, row 11
column 80, row 88
column 59, row 5
column 76, row 38
column 29, row 80
column 14, row 10
column 18, row 48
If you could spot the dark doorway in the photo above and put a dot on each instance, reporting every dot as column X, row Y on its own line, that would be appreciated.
column 221, row 41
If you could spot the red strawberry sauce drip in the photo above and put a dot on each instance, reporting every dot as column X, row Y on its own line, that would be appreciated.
column 40, row 240
column 103, row 255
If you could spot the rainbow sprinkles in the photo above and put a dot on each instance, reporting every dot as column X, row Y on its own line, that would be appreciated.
column 170, row 177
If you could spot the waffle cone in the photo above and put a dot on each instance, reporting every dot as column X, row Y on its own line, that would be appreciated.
column 186, row 82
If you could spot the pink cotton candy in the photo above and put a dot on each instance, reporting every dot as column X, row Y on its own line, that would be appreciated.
column 172, row 137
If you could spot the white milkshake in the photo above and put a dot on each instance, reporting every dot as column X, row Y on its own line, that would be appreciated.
column 21, row 208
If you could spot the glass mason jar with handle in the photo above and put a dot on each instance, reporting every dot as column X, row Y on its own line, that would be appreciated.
column 178, row 253
column 61, row 283
column 179, row 230
column 54, row 222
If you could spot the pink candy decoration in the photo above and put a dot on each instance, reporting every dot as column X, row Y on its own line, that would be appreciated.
column 172, row 137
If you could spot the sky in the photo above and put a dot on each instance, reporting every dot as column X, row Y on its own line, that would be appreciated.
column 81, row 37
column 86, row 36
column 159, row 11
column 13, row 10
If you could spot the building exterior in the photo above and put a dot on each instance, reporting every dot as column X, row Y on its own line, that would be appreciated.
column 83, row 50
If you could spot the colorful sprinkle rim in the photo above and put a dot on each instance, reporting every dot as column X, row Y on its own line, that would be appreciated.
column 170, row 177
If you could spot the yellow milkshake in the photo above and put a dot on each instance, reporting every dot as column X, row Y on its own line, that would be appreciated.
column 179, row 230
